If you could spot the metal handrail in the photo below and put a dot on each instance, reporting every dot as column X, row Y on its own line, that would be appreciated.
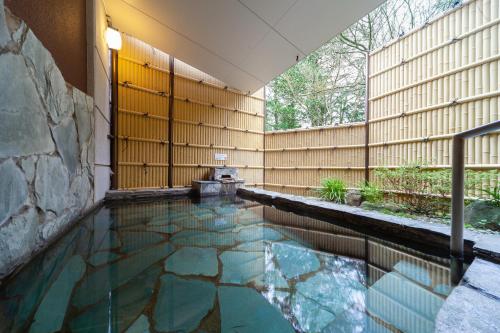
column 457, row 195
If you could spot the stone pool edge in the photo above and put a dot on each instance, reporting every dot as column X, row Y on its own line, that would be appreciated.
column 21, row 262
column 469, row 307
column 486, row 246
column 117, row 195
column 472, row 305
column 110, row 197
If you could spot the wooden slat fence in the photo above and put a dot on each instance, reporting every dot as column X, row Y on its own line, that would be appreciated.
column 142, row 116
column 437, row 80
column 296, row 161
column 434, row 82
column 208, row 118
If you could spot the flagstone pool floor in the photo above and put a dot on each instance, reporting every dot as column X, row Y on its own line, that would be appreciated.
column 224, row 265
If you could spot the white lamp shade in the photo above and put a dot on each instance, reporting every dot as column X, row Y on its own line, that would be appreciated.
column 113, row 38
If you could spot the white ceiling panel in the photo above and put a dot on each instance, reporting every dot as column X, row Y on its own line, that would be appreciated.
column 270, row 56
column 207, row 23
column 269, row 10
column 311, row 23
column 139, row 25
column 245, row 43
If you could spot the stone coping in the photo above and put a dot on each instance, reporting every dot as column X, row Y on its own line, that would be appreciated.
column 431, row 236
column 115, row 195
column 206, row 181
column 474, row 305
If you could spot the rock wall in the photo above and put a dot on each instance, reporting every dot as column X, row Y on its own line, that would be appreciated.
column 46, row 146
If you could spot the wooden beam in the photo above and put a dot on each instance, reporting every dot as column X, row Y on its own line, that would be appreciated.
column 171, row 78
column 114, row 120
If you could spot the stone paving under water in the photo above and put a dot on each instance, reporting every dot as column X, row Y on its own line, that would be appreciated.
column 218, row 266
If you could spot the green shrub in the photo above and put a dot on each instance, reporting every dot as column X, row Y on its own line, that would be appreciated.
column 426, row 191
column 333, row 189
column 420, row 190
column 481, row 182
column 440, row 182
column 371, row 193
column 494, row 195
column 477, row 180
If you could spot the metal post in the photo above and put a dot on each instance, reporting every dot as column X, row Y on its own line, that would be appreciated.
column 457, row 209
column 457, row 196
column 114, row 119
column 264, row 143
column 367, row 120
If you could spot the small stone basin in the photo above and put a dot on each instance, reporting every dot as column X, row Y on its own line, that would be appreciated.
column 223, row 181
column 204, row 188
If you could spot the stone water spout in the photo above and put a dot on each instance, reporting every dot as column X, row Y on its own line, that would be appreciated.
column 222, row 181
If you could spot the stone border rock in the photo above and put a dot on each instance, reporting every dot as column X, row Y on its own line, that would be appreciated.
column 474, row 305
column 471, row 307
column 432, row 237
column 467, row 309
column 116, row 195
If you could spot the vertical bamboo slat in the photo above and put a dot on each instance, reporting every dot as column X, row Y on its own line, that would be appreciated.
column 142, row 116
column 301, row 159
column 447, row 83
column 450, row 84
column 207, row 118
column 212, row 117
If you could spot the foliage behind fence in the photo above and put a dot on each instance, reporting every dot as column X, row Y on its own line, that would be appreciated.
column 437, row 80
column 431, row 83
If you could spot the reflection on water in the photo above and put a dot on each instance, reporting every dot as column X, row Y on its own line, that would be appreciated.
column 225, row 265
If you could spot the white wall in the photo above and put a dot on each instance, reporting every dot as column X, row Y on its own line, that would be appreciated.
column 102, row 77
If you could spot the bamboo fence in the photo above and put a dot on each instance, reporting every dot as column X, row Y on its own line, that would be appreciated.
column 437, row 80
column 142, row 116
column 210, row 118
column 423, row 87
column 207, row 118
column 296, row 161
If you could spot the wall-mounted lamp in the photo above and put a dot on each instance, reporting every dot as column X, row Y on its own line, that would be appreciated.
column 113, row 38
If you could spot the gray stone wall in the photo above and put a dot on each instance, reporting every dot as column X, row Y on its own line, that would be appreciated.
column 46, row 146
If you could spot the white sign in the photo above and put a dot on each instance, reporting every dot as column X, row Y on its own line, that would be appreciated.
column 220, row 157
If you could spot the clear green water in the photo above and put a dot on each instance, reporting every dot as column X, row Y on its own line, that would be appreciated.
column 224, row 265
